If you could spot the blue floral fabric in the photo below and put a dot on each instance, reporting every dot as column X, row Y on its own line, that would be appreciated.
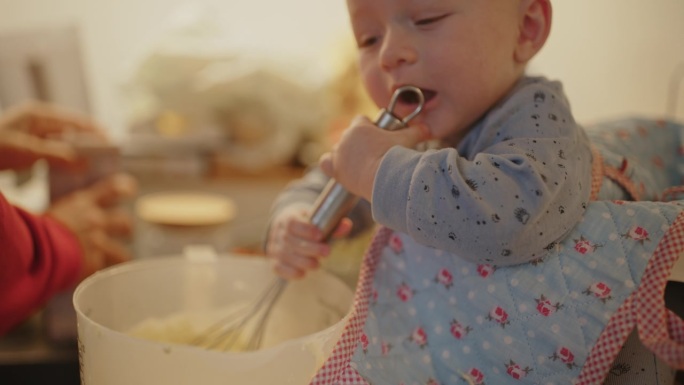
column 648, row 152
column 436, row 318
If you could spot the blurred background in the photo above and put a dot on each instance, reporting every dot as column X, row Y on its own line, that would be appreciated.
column 614, row 56
column 225, row 101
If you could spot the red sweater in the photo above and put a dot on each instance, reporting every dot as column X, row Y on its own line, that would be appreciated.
column 39, row 257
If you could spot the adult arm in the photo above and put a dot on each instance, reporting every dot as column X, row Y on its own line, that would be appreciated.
column 38, row 258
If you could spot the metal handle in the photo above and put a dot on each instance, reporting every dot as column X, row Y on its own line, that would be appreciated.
column 335, row 201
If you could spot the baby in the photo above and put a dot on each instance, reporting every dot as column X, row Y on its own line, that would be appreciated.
column 509, row 179
column 512, row 172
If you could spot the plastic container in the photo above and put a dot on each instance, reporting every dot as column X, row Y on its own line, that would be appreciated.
column 113, row 301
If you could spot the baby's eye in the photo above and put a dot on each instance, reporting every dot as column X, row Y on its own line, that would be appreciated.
column 430, row 20
column 367, row 41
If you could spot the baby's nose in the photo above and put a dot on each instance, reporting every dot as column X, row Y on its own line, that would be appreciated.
column 397, row 50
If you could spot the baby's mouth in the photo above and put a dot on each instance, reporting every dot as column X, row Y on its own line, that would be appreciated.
column 412, row 98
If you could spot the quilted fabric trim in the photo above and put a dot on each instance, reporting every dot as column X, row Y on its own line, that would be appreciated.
column 336, row 369
column 596, row 173
column 653, row 319
column 659, row 329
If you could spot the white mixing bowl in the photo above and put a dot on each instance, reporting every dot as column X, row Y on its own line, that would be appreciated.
column 112, row 301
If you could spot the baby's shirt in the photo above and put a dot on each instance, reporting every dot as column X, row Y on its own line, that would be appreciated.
column 517, row 183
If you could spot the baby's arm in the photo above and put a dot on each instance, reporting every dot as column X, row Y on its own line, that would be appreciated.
column 518, row 183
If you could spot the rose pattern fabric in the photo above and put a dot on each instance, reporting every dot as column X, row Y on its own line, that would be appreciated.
column 637, row 233
column 485, row 270
column 564, row 355
column 499, row 315
column 476, row 376
column 583, row 246
column 514, row 370
column 459, row 331
column 545, row 307
column 454, row 322
column 404, row 292
column 445, row 277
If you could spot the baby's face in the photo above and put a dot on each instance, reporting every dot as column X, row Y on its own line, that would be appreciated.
column 459, row 52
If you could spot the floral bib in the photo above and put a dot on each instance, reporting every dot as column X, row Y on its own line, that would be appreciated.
column 423, row 316
column 427, row 317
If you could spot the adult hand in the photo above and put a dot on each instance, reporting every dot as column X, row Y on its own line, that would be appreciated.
column 29, row 132
column 92, row 215
column 296, row 245
column 355, row 159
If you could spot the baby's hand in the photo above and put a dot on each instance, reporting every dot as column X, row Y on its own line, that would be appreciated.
column 355, row 159
column 296, row 245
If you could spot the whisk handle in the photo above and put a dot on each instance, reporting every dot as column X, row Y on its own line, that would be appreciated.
column 335, row 201
column 331, row 206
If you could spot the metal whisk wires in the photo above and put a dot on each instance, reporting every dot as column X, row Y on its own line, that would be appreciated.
column 243, row 331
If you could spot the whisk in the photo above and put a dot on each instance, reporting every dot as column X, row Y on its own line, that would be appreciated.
column 228, row 333
column 330, row 207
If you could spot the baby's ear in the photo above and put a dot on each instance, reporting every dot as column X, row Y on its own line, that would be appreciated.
column 534, row 28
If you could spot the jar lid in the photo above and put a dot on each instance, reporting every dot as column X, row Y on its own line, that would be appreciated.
column 185, row 208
